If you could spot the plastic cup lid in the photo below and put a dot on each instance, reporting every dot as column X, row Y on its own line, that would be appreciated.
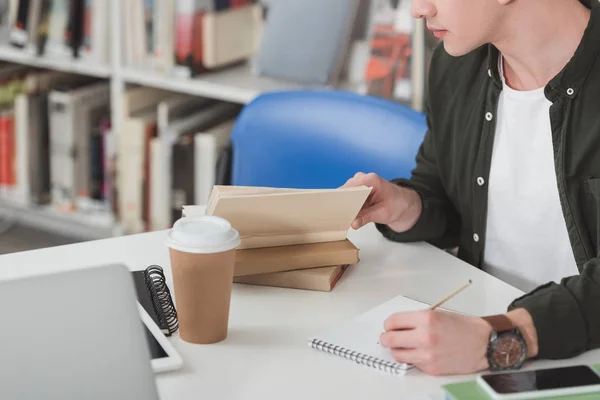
column 202, row 234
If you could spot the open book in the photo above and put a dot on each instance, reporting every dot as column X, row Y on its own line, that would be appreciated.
column 358, row 340
column 267, row 217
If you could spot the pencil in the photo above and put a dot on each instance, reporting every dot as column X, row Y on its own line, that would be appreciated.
column 451, row 295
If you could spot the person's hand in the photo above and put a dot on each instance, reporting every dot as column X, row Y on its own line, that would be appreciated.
column 437, row 342
column 388, row 204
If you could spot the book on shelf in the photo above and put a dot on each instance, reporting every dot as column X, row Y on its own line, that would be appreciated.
column 188, row 37
column 138, row 129
column 59, row 28
column 169, row 111
column 321, row 279
column 296, row 29
column 69, row 108
column 40, row 107
column 166, row 154
column 185, row 152
column 7, row 152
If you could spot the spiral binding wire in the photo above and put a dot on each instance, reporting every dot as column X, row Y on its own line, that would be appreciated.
column 161, row 298
column 359, row 358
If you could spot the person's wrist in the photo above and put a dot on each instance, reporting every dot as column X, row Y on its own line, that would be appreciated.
column 410, row 210
column 521, row 318
column 486, row 330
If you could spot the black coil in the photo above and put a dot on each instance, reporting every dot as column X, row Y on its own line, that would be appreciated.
column 161, row 298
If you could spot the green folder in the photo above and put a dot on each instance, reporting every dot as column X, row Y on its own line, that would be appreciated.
column 472, row 391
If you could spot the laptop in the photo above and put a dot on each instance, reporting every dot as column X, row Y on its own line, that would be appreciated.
column 74, row 335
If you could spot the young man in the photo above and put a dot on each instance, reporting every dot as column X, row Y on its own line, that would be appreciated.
column 509, row 172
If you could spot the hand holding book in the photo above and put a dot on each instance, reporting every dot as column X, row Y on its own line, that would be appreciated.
column 388, row 204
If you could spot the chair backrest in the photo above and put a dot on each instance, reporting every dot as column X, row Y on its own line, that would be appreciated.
column 320, row 138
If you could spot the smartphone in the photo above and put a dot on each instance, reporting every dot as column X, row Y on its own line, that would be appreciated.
column 540, row 383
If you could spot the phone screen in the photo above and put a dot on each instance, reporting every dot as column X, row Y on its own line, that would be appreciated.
column 545, row 379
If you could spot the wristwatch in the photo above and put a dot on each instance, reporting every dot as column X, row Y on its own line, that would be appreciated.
column 507, row 348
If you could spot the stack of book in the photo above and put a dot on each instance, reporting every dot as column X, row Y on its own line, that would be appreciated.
column 52, row 131
column 187, row 37
column 58, row 149
column 289, row 237
column 166, row 155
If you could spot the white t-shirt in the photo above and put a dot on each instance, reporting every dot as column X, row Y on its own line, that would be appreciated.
column 527, row 243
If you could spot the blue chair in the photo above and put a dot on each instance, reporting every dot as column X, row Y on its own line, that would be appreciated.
column 320, row 138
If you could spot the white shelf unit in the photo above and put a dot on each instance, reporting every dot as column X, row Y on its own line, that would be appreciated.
column 74, row 225
column 237, row 84
column 75, row 66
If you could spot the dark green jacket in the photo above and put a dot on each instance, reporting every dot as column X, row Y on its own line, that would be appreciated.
column 453, row 166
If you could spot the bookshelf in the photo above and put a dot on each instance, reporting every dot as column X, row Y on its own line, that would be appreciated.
column 75, row 225
column 235, row 84
column 74, row 66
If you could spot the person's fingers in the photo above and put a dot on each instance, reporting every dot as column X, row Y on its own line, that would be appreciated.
column 403, row 339
column 407, row 356
column 356, row 180
column 370, row 213
column 361, row 179
column 408, row 320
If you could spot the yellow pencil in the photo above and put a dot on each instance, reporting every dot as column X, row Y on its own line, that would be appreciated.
column 451, row 295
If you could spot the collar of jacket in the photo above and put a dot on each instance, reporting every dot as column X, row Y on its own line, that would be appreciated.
column 573, row 75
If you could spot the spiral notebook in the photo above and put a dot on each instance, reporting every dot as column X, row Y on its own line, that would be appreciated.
column 358, row 340
column 154, row 296
column 160, row 317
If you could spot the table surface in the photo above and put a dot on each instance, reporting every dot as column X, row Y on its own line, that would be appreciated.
column 266, row 355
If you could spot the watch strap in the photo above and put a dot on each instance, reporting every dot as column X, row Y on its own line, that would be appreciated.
column 499, row 323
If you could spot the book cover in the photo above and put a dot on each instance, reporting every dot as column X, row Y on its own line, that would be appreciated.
column 313, row 49
column 295, row 257
column 33, row 21
column 39, row 150
column 388, row 69
column 277, row 217
column 168, row 112
column 96, row 180
column 43, row 26
column 140, row 127
column 231, row 36
column 182, row 189
column 22, row 186
column 321, row 279
column 19, row 34
column 208, row 145
column 57, row 24
column 73, row 35
column 7, row 151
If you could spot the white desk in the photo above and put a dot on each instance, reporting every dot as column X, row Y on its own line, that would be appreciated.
column 266, row 355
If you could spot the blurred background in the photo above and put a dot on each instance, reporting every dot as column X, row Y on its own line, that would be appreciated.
column 115, row 113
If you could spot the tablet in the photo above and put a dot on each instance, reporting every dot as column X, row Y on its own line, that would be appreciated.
column 163, row 354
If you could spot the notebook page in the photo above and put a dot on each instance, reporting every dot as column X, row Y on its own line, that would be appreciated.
column 362, row 333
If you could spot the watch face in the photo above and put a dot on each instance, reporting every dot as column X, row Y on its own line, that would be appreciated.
column 508, row 350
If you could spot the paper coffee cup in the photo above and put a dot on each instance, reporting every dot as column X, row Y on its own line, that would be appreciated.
column 202, row 252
